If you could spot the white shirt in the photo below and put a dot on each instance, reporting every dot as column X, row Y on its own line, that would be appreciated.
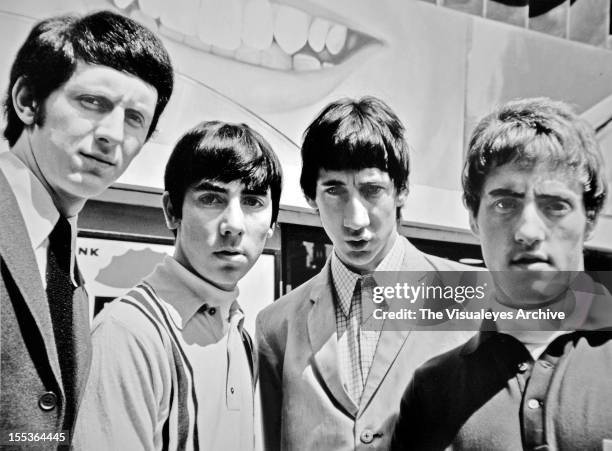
column 37, row 209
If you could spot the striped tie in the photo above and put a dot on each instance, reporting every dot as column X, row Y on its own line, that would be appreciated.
column 355, row 381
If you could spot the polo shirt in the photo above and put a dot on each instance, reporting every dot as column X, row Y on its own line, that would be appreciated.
column 491, row 393
column 170, row 369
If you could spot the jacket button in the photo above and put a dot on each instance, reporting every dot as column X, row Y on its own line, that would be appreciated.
column 367, row 436
column 533, row 403
column 47, row 401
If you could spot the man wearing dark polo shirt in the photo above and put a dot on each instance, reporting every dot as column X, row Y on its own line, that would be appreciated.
column 540, row 379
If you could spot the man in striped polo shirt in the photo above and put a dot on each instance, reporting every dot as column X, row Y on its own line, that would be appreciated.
column 172, row 367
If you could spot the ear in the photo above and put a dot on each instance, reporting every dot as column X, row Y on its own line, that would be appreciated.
column 23, row 101
column 401, row 197
column 312, row 203
column 589, row 229
column 474, row 225
column 172, row 221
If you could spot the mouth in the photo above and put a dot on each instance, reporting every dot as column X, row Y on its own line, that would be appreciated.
column 97, row 159
column 279, row 40
column 357, row 245
column 230, row 254
column 531, row 262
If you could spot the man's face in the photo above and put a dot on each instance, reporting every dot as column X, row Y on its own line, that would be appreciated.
column 358, row 212
column 222, row 231
column 94, row 125
column 532, row 226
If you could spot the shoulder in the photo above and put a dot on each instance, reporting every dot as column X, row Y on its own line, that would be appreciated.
column 130, row 317
column 412, row 256
column 444, row 264
column 286, row 306
column 441, row 364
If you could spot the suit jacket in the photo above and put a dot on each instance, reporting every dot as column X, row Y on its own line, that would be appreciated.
column 304, row 403
column 31, row 389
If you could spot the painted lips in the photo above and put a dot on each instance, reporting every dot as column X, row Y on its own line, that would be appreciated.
column 257, row 32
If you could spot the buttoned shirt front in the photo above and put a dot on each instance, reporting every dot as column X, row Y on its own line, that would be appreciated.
column 193, row 386
column 505, row 398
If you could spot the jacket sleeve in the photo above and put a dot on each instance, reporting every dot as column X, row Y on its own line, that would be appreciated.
column 126, row 397
column 270, row 386
column 408, row 431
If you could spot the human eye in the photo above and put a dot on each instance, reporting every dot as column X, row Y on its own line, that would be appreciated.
column 372, row 190
column 334, row 190
column 254, row 201
column 557, row 207
column 93, row 103
column 134, row 118
column 505, row 204
column 211, row 199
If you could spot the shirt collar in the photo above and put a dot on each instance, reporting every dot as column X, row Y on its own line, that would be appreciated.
column 344, row 279
column 35, row 203
column 36, row 206
column 188, row 293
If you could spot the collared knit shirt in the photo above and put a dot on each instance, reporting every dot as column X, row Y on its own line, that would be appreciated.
column 170, row 369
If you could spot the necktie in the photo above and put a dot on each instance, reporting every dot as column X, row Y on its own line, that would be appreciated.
column 60, row 291
column 355, row 380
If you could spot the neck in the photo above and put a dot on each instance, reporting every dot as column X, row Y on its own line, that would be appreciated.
column 562, row 303
column 67, row 204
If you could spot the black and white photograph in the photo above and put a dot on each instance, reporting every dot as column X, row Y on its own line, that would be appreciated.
column 306, row 225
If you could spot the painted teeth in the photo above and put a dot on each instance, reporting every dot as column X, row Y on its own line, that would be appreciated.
column 220, row 23
column 303, row 62
column 291, row 28
column 258, row 24
column 336, row 39
column 253, row 31
column 248, row 55
column 317, row 34
column 276, row 58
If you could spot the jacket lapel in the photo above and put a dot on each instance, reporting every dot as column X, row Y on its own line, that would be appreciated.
column 82, row 339
column 391, row 341
column 17, row 253
column 323, row 338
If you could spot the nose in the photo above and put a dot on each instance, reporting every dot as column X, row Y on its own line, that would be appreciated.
column 356, row 215
column 531, row 228
column 232, row 220
column 110, row 128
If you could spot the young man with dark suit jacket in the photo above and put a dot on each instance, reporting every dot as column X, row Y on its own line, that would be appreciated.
column 327, row 382
column 85, row 94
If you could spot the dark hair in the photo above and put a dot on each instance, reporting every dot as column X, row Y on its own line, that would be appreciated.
column 49, row 57
column 222, row 152
column 353, row 135
column 532, row 131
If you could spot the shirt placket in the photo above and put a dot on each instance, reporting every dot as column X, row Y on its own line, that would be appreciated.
column 234, row 347
column 533, row 406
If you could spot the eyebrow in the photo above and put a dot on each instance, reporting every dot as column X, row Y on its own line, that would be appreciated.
column 505, row 192
column 209, row 186
column 332, row 182
column 257, row 191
